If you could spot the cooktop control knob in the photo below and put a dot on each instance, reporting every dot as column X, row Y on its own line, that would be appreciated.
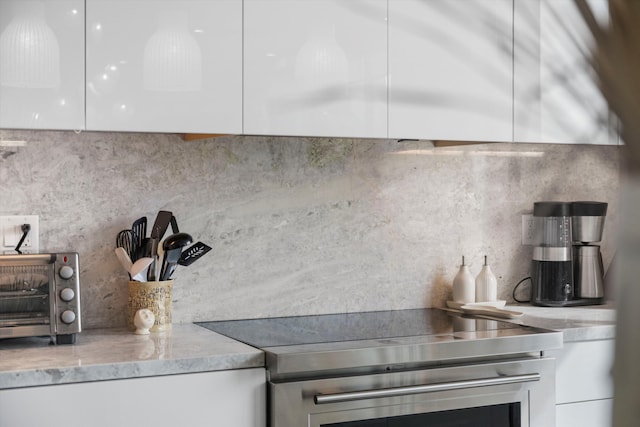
column 68, row 316
column 66, row 272
column 67, row 294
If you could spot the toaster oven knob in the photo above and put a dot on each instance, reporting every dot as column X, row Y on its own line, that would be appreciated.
column 67, row 294
column 68, row 316
column 66, row 272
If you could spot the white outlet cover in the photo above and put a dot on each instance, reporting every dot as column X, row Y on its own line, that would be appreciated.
column 11, row 233
column 527, row 229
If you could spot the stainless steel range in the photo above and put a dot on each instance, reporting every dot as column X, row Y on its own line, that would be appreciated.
column 402, row 368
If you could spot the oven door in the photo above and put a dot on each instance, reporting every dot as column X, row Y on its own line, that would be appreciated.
column 518, row 393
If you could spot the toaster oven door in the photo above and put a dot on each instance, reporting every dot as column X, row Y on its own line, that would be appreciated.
column 25, row 300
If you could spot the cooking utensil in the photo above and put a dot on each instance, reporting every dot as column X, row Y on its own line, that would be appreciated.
column 161, row 254
column 172, row 247
column 163, row 219
column 138, row 234
column 124, row 259
column 161, row 224
column 124, row 240
column 193, row 253
column 145, row 249
column 160, row 261
column 171, row 259
column 139, row 269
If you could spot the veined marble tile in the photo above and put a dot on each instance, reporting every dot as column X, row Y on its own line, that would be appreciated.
column 297, row 225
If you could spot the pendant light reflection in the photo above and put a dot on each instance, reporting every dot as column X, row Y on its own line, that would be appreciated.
column 29, row 49
column 172, row 56
column 321, row 64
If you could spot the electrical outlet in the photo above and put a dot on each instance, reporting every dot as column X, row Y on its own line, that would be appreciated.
column 11, row 233
column 527, row 229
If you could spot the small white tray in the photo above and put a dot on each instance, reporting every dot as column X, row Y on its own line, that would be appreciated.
column 490, row 311
column 457, row 305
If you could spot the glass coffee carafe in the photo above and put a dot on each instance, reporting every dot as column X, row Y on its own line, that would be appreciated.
column 552, row 269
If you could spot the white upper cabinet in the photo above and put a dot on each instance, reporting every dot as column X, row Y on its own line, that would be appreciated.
column 164, row 66
column 556, row 95
column 450, row 69
column 42, row 64
column 315, row 67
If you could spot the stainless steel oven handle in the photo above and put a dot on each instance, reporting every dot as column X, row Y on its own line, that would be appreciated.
column 321, row 399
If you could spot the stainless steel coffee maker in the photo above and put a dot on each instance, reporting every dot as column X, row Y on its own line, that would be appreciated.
column 567, row 265
column 587, row 219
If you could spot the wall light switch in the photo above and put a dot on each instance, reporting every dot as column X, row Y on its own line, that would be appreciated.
column 11, row 233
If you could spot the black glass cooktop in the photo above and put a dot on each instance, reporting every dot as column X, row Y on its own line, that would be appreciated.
column 284, row 331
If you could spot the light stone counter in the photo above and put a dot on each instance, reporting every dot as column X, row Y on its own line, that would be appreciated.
column 576, row 323
column 109, row 354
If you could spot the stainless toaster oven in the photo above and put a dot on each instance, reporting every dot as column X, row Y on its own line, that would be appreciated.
column 40, row 296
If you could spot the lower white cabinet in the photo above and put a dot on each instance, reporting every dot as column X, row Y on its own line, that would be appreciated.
column 222, row 398
column 584, row 386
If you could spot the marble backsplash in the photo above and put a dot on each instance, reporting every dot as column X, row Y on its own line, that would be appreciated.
column 298, row 225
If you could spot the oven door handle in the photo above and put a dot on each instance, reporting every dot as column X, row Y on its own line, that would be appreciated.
column 321, row 399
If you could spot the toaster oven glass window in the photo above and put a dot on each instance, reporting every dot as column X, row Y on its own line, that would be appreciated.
column 24, row 295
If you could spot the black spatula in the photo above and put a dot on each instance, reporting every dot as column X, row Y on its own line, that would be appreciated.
column 157, row 233
column 139, row 233
column 193, row 253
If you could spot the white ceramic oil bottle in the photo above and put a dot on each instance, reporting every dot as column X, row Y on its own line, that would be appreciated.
column 486, row 284
column 464, row 288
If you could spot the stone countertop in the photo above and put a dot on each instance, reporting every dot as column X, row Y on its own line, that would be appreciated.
column 108, row 354
column 583, row 323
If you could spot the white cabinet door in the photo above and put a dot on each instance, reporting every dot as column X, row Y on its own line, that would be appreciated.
column 164, row 66
column 224, row 398
column 584, row 385
column 557, row 99
column 42, row 64
column 315, row 67
column 583, row 371
column 450, row 69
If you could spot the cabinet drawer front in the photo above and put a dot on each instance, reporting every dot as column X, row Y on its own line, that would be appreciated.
column 596, row 413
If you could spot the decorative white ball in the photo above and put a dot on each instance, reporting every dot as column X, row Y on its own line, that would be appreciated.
column 143, row 321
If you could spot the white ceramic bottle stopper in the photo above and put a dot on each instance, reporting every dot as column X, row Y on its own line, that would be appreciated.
column 464, row 288
column 143, row 321
column 486, row 284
